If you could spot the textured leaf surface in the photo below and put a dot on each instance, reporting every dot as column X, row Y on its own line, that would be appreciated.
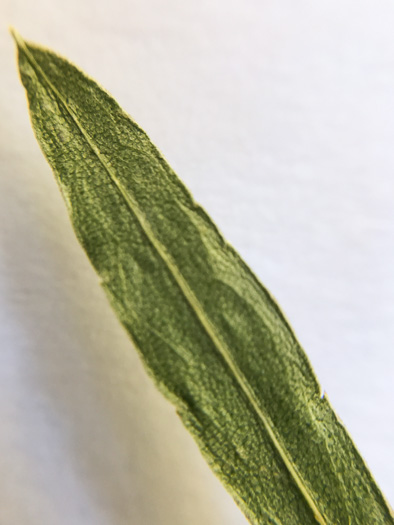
column 211, row 336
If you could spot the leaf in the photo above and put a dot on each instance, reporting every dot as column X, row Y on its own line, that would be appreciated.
column 211, row 336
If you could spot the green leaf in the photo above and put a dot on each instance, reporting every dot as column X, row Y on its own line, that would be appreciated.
column 211, row 336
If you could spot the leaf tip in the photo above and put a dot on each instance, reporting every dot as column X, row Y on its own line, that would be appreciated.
column 16, row 36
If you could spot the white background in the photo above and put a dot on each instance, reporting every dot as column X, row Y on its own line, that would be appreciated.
column 279, row 116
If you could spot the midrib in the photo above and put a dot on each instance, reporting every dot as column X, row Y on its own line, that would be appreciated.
column 187, row 292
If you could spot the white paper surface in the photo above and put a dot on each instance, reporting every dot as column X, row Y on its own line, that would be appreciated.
column 279, row 116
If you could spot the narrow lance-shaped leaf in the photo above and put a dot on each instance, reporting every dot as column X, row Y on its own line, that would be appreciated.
column 211, row 336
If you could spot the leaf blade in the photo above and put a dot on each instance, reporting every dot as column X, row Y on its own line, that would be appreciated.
column 210, row 306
